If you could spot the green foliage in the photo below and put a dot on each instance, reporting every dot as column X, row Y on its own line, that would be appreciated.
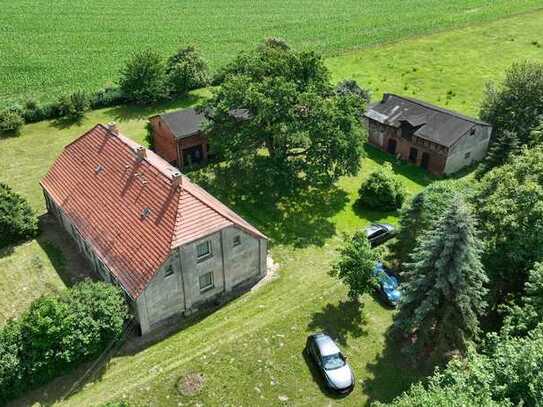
column 514, row 109
column 11, row 122
column 509, row 203
column 149, row 139
column 351, row 87
column 356, row 265
column 143, row 78
column 382, row 190
column 443, row 295
column 186, row 70
column 524, row 317
column 73, row 106
column 424, row 209
column 116, row 404
column 293, row 113
column 59, row 332
column 17, row 220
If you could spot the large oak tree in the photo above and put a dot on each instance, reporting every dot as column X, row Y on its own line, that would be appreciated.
column 279, row 102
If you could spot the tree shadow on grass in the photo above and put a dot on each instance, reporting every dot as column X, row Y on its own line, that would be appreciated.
column 297, row 215
column 410, row 171
column 128, row 112
column 392, row 373
column 339, row 321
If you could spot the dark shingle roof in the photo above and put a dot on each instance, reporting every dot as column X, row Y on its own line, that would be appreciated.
column 184, row 123
column 434, row 123
column 188, row 122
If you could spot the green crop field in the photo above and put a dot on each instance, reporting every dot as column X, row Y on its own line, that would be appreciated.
column 53, row 47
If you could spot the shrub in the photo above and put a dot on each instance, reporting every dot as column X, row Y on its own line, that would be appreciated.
column 382, row 190
column 57, row 333
column 186, row 70
column 149, row 139
column 17, row 220
column 107, row 97
column 11, row 122
column 32, row 112
column 143, row 78
column 73, row 106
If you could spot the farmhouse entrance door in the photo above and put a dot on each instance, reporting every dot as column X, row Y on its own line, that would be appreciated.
column 425, row 161
column 391, row 146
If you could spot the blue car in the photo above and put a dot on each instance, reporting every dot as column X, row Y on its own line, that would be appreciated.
column 388, row 285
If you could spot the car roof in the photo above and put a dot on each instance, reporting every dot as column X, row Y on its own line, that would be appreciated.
column 326, row 345
column 373, row 228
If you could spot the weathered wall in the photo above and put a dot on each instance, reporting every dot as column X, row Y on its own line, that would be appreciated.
column 379, row 135
column 469, row 149
column 164, row 140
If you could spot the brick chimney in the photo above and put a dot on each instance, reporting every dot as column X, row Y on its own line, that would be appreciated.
column 113, row 129
column 177, row 179
column 141, row 152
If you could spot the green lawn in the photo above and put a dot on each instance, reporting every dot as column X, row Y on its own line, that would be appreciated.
column 249, row 351
column 450, row 68
column 49, row 48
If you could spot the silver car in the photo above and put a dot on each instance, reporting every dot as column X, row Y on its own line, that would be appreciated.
column 331, row 363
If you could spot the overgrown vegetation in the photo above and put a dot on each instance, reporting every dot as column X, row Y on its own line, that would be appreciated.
column 515, row 110
column 382, row 190
column 17, row 219
column 57, row 333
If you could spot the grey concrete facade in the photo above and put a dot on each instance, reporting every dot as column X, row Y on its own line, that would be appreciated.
column 471, row 147
column 236, row 261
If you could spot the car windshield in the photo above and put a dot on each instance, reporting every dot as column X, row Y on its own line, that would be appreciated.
column 389, row 283
column 331, row 362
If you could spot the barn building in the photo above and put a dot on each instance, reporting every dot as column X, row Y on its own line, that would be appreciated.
column 147, row 228
column 437, row 139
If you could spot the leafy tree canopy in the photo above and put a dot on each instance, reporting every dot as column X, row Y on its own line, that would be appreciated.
column 382, row 190
column 509, row 203
column 143, row 78
column 186, row 70
column 514, row 109
column 17, row 219
column 280, row 101
column 443, row 295
column 356, row 265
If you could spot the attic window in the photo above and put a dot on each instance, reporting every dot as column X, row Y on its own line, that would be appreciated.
column 145, row 213
column 472, row 132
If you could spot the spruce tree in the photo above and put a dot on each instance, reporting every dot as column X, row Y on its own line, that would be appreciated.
column 444, row 293
column 506, row 145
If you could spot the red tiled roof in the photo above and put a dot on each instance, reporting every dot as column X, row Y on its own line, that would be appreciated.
column 104, row 190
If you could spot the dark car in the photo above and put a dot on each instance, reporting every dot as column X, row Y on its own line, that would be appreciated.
column 378, row 233
column 388, row 285
column 325, row 354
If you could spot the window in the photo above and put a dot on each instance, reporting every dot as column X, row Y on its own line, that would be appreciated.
column 236, row 241
column 169, row 271
column 206, row 281
column 467, row 155
column 203, row 250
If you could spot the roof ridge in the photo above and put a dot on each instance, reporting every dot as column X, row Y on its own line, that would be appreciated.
column 231, row 217
column 440, row 109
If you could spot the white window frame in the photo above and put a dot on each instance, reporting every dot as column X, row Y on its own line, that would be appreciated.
column 211, row 283
column 205, row 255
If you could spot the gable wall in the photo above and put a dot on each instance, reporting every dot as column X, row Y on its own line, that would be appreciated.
column 469, row 149
column 164, row 140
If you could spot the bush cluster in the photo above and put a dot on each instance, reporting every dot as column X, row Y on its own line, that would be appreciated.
column 382, row 190
column 57, row 333
column 17, row 219
column 146, row 78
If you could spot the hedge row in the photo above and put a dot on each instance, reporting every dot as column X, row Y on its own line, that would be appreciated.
column 146, row 78
column 17, row 219
column 57, row 333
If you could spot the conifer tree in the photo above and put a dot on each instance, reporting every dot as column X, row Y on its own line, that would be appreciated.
column 506, row 145
column 444, row 292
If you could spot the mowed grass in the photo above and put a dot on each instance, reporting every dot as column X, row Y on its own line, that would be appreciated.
column 50, row 48
column 451, row 68
column 250, row 350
